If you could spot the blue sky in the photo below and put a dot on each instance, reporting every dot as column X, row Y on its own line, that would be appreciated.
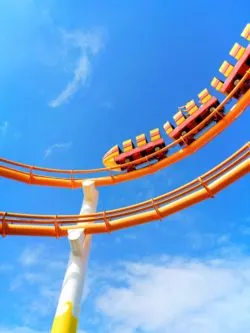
column 77, row 78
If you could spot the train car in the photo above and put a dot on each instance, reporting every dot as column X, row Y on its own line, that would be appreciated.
column 234, row 73
column 115, row 156
column 108, row 159
column 191, row 115
column 188, row 117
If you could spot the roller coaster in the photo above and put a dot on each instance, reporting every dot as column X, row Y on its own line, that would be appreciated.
column 195, row 126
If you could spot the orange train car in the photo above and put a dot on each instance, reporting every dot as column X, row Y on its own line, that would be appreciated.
column 234, row 73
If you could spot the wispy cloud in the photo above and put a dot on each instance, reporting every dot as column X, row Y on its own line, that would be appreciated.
column 25, row 329
column 202, row 240
column 179, row 295
column 30, row 256
column 50, row 150
column 88, row 44
column 21, row 329
column 156, row 295
column 4, row 128
column 4, row 268
column 107, row 105
column 80, row 75
column 42, row 274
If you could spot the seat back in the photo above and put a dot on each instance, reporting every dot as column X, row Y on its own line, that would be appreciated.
column 216, row 84
column 168, row 127
column 191, row 107
column 226, row 68
column 141, row 140
column 155, row 134
column 204, row 96
column 237, row 51
column 246, row 32
column 179, row 118
column 128, row 145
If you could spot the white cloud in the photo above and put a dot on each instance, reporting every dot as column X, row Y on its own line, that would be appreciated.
column 167, row 294
column 80, row 75
column 107, row 105
column 199, row 240
column 90, row 41
column 87, row 44
column 4, row 128
column 36, row 281
column 31, row 256
column 24, row 329
column 6, row 268
column 49, row 150
column 178, row 296
column 130, row 236
column 21, row 329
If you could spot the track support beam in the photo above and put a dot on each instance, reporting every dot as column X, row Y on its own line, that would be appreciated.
column 68, row 309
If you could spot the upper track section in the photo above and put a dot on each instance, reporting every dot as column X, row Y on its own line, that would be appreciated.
column 195, row 126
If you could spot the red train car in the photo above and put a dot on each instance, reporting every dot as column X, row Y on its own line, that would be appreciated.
column 144, row 148
column 188, row 117
column 192, row 116
column 115, row 157
column 235, row 73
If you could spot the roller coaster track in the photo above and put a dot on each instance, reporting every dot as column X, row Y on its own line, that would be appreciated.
column 204, row 187
column 157, row 208
column 9, row 169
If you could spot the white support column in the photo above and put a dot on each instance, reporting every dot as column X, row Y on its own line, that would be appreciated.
column 68, row 309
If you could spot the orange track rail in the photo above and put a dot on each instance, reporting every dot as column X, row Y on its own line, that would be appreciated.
column 31, row 178
column 204, row 187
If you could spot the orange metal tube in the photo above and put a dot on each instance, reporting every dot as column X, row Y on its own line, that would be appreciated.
column 32, row 178
column 242, row 154
column 142, row 159
column 203, row 192
column 221, row 168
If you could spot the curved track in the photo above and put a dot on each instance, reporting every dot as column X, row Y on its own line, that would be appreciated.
column 200, row 189
column 204, row 187
column 9, row 169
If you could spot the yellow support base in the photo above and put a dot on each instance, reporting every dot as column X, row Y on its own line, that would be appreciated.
column 67, row 322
